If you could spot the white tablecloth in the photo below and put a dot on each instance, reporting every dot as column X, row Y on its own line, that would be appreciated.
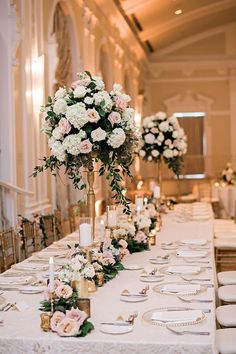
column 227, row 196
column 21, row 333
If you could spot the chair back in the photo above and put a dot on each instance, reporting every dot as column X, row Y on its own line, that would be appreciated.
column 58, row 224
column 48, row 228
column 74, row 216
column 31, row 242
column 7, row 239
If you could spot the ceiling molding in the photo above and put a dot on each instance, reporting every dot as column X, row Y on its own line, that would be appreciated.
column 207, row 10
column 132, row 6
column 190, row 40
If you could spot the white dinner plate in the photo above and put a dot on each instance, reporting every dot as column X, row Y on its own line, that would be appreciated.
column 113, row 329
column 133, row 298
column 151, row 278
column 132, row 266
column 158, row 260
column 32, row 289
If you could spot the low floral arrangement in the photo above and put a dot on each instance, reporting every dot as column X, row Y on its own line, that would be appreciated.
column 133, row 235
column 108, row 259
column 86, row 124
column 228, row 174
column 67, row 320
column 163, row 139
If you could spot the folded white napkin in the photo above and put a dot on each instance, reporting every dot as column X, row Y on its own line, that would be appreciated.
column 184, row 269
column 198, row 242
column 189, row 253
column 177, row 316
column 181, row 288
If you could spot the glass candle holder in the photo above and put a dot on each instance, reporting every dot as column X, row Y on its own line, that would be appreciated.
column 111, row 217
column 85, row 232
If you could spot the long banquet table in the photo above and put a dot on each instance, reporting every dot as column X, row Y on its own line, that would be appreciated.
column 21, row 333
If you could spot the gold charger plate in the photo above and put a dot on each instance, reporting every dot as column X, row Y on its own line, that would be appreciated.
column 147, row 317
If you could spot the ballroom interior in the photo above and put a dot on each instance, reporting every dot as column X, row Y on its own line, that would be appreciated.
column 161, row 61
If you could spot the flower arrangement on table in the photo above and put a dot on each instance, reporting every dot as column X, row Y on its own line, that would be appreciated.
column 228, row 174
column 67, row 319
column 133, row 235
column 86, row 124
column 163, row 139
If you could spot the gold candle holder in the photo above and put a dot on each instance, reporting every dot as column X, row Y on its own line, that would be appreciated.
column 92, row 288
column 152, row 239
column 100, row 278
column 46, row 321
column 83, row 288
column 84, row 305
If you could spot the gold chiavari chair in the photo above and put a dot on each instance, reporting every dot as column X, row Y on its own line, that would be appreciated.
column 7, row 239
column 31, row 242
column 58, row 224
column 74, row 215
column 48, row 229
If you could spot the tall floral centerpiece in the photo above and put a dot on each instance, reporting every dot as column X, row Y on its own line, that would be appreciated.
column 86, row 124
column 163, row 140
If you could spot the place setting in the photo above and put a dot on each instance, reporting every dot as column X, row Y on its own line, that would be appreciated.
column 151, row 276
column 160, row 259
column 181, row 270
column 134, row 296
column 179, row 288
column 119, row 326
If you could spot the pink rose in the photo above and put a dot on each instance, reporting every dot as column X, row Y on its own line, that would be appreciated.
column 168, row 142
column 124, row 252
column 123, row 243
column 68, row 327
column 93, row 115
column 120, row 103
column 140, row 237
column 85, row 146
column 64, row 291
column 114, row 118
column 82, row 82
column 107, row 258
column 106, row 243
column 77, row 315
column 64, row 126
column 176, row 126
column 56, row 319
column 154, row 130
column 47, row 291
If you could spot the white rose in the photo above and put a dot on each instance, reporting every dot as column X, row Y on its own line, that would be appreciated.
column 149, row 138
column 142, row 153
column 160, row 137
column 60, row 93
column 88, row 100
column 168, row 153
column 175, row 134
column 173, row 119
column 98, row 134
column 56, row 133
column 77, row 115
column 149, row 158
column 80, row 91
column 93, row 116
column 175, row 152
column 60, row 106
column 155, row 153
column 164, row 126
column 117, row 138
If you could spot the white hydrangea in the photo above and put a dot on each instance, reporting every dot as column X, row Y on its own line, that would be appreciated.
column 56, row 133
column 80, row 91
column 99, row 83
column 60, row 106
column 71, row 144
column 58, row 150
column 142, row 153
column 98, row 134
column 155, row 153
column 103, row 98
column 88, row 271
column 60, row 93
column 149, row 138
column 51, row 141
column 82, row 134
column 175, row 152
column 161, row 115
column 77, row 115
column 164, row 126
column 168, row 153
column 116, row 88
column 116, row 138
column 173, row 119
